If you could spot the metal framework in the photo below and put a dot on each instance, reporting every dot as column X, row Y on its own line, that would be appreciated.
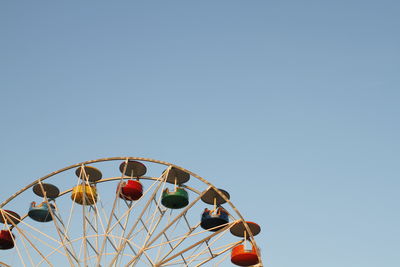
column 115, row 232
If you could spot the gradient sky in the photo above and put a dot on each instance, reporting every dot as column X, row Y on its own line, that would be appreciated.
column 291, row 106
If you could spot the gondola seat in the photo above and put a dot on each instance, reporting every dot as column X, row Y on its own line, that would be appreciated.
column 214, row 220
column 42, row 212
column 175, row 199
column 6, row 239
column 244, row 257
column 131, row 190
column 84, row 194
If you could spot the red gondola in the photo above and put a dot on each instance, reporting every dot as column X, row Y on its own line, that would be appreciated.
column 131, row 190
column 6, row 239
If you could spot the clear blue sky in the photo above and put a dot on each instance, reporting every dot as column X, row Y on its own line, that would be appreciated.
column 291, row 106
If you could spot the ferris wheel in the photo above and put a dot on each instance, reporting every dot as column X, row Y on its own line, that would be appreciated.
column 125, row 211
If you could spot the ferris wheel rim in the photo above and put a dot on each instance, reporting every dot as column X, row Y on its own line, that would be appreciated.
column 127, row 158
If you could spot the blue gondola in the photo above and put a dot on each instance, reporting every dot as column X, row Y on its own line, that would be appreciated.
column 41, row 213
column 214, row 220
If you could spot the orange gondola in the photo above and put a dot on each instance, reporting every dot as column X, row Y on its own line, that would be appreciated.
column 244, row 257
